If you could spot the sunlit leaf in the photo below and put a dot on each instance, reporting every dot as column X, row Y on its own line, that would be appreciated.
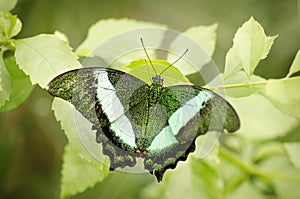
column 77, row 173
column 5, row 82
column 106, row 29
column 232, row 63
column 73, row 124
column 285, row 95
column 62, row 36
column 205, row 36
column 10, row 25
column 269, row 40
column 143, row 70
column 284, row 175
column 272, row 176
column 251, row 45
column 76, row 127
column 200, row 42
column 195, row 176
column 260, row 119
column 293, row 152
column 295, row 67
column 43, row 57
column 7, row 5
column 21, row 86
column 293, row 135
column 246, row 190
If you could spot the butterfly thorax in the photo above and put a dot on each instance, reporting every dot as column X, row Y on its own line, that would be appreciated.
column 155, row 113
column 155, row 89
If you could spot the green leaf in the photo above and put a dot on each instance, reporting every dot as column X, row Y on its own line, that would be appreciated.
column 207, row 177
column 246, row 190
column 43, row 57
column 62, row 36
column 205, row 36
column 232, row 63
column 5, row 82
column 10, row 25
column 7, row 5
column 272, row 177
column 106, row 29
column 77, row 173
column 284, row 175
column 295, row 67
column 285, row 95
column 251, row 45
column 195, row 178
column 293, row 152
column 79, row 133
column 293, row 135
column 260, row 119
column 21, row 86
column 143, row 70
column 240, row 77
column 82, row 142
column 201, row 41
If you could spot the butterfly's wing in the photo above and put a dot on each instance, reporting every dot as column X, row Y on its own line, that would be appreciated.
column 105, row 97
column 192, row 111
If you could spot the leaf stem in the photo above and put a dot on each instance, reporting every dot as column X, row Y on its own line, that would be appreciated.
column 246, row 84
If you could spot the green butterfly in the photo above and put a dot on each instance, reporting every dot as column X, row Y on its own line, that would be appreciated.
column 133, row 119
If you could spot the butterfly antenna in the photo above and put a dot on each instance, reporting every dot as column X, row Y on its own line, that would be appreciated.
column 148, row 70
column 174, row 61
column 147, row 55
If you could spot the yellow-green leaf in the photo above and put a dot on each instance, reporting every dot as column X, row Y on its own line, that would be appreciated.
column 5, row 83
column 205, row 36
column 104, row 30
column 143, row 70
column 295, row 67
column 10, row 25
column 293, row 152
column 232, row 63
column 82, row 143
column 78, row 174
column 200, row 42
column 260, row 119
column 7, row 5
column 43, row 57
column 79, row 132
column 285, row 95
column 251, row 45
column 20, row 87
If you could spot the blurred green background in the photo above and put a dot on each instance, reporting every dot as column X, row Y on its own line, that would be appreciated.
column 31, row 142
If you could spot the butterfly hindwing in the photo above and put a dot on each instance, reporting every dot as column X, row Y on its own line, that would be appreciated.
column 190, row 109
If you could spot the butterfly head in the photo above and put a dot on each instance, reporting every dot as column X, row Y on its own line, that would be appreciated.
column 157, row 79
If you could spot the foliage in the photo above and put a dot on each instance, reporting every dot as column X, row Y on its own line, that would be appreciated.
column 260, row 160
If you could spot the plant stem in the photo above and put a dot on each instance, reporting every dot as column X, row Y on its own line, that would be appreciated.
column 246, row 84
